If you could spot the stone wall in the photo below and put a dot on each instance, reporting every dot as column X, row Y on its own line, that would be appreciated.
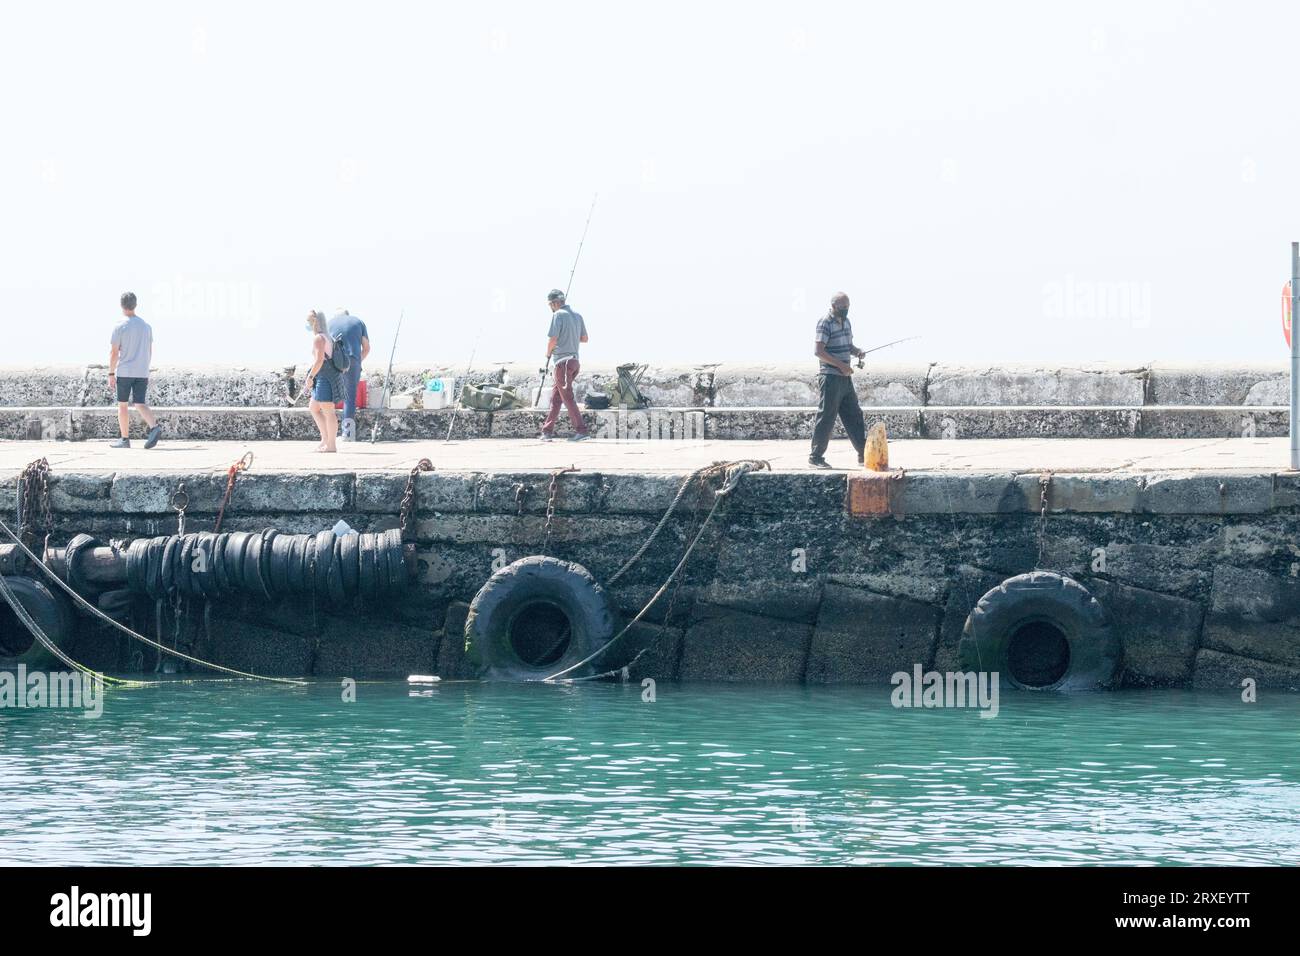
column 741, row 424
column 1198, row 572
column 777, row 385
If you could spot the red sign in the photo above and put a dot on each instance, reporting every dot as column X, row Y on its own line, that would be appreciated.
column 1286, row 313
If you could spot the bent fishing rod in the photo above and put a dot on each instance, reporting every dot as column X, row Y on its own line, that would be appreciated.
column 568, row 290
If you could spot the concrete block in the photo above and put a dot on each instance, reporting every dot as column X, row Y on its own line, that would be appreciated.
column 726, row 645
column 1254, row 595
column 1031, row 421
column 217, row 386
column 575, row 493
column 1188, row 494
column 928, row 493
column 1160, row 633
column 373, row 647
column 79, row 494
column 1274, row 641
column 1212, row 383
column 969, row 584
column 36, row 424
column 272, row 492
column 648, row 650
column 1095, row 494
column 863, row 638
column 1031, row 385
column 1213, row 422
column 48, row 385
column 255, row 649
column 435, row 492
column 1217, row 671
column 793, row 599
column 765, row 492
column 516, row 423
column 452, row 664
column 643, row 494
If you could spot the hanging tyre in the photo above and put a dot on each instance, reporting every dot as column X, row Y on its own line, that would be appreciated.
column 1042, row 631
column 536, row 617
column 51, row 611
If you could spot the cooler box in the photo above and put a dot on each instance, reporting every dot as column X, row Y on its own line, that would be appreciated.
column 438, row 393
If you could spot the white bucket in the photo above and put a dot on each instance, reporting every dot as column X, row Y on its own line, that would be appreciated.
column 438, row 392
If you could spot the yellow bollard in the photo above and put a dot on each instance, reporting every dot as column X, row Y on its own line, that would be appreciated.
column 876, row 456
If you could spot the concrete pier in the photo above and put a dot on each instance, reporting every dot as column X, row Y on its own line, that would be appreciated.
column 1188, row 545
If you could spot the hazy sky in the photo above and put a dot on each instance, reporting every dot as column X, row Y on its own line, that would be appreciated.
column 1064, row 181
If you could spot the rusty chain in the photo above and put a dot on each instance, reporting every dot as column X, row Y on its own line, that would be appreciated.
column 408, row 497
column 552, row 492
column 1044, row 484
column 34, row 499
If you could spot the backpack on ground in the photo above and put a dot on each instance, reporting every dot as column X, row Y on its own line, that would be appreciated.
column 491, row 398
column 626, row 392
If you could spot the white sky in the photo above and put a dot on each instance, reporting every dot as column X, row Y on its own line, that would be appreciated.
column 1064, row 181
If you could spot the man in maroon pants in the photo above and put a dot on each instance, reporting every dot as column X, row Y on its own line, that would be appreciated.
column 567, row 332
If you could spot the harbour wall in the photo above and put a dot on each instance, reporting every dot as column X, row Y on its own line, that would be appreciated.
column 757, row 402
column 774, row 385
column 815, row 578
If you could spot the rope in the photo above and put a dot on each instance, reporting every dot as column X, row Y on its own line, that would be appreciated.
column 43, row 639
column 243, row 464
column 86, row 605
column 733, row 472
column 700, row 474
column 663, row 522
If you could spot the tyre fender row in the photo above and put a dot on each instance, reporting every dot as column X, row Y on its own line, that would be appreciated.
column 268, row 564
column 1038, row 631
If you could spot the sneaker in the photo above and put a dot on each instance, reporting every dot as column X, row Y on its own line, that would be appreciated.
column 545, row 437
column 155, row 433
column 120, row 443
column 349, row 429
column 580, row 436
column 818, row 462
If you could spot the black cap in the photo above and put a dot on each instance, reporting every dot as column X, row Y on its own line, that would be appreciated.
column 554, row 294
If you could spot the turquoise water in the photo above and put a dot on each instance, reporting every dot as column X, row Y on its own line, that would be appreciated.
column 234, row 773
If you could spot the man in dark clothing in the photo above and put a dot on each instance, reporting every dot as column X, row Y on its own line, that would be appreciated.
column 836, row 395
column 566, row 332
column 357, row 341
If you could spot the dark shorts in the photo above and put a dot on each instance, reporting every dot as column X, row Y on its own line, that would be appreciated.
column 132, row 390
column 328, row 388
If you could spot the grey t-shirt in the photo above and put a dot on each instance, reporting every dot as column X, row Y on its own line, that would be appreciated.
column 567, row 328
column 134, row 340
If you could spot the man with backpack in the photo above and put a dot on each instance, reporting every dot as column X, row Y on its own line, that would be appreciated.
column 356, row 342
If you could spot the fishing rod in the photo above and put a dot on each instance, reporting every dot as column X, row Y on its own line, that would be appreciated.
column 885, row 346
column 568, row 290
column 468, row 368
column 386, row 395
